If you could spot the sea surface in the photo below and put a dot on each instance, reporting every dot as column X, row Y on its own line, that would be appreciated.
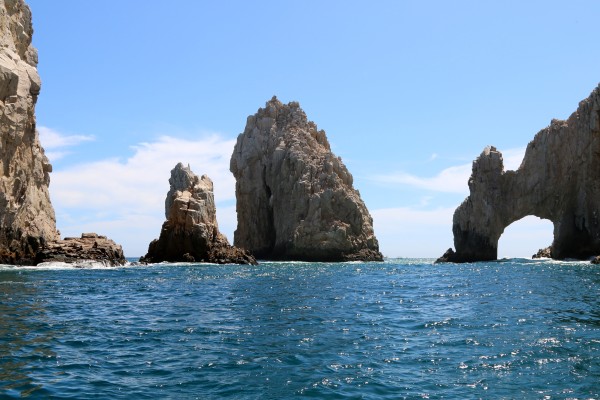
column 404, row 328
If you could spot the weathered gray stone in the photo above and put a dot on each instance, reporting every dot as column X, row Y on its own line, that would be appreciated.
column 191, row 232
column 28, row 232
column 295, row 198
column 27, row 220
column 559, row 180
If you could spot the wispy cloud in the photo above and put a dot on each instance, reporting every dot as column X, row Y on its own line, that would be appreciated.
column 413, row 231
column 453, row 179
column 126, row 196
column 421, row 232
column 55, row 143
column 513, row 158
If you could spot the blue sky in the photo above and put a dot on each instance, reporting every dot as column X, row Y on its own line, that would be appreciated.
column 409, row 93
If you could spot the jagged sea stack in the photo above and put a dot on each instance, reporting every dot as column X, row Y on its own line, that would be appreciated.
column 295, row 199
column 27, row 218
column 559, row 180
column 190, row 232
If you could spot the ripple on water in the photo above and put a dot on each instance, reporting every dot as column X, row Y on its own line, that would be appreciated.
column 404, row 328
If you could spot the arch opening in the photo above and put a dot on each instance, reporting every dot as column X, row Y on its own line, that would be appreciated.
column 525, row 237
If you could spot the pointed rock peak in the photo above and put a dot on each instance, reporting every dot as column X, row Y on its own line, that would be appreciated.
column 295, row 198
column 191, row 232
column 182, row 178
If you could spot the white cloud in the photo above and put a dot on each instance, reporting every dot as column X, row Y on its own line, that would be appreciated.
column 512, row 158
column 452, row 179
column 413, row 231
column 124, row 199
column 525, row 237
column 55, row 142
column 427, row 233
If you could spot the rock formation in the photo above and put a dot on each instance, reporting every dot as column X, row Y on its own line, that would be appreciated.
column 559, row 180
column 27, row 219
column 190, row 232
column 295, row 199
column 90, row 247
column 543, row 253
column 27, row 223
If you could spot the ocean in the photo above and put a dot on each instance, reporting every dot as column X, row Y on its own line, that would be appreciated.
column 401, row 329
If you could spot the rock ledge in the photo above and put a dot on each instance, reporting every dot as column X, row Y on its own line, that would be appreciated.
column 89, row 247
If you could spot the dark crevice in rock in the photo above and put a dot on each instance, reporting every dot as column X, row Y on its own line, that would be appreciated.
column 295, row 199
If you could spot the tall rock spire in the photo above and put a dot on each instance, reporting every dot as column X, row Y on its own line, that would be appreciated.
column 27, row 218
column 295, row 199
column 191, row 232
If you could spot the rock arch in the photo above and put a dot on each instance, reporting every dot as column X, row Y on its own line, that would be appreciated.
column 529, row 236
column 559, row 180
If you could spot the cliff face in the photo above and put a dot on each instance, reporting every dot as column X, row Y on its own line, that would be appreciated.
column 559, row 180
column 295, row 198
column 27, row 218
column 191, row 232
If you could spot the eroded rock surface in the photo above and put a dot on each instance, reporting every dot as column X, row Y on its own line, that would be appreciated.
column 191, row 233
column 295, row 199
column 28, row 233
column 27, row 218
column 89, row 247
column 559, row 180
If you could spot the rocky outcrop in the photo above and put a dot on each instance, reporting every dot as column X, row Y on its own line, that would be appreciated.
column 28, row 233
column 190, row 232
column 90, row 247
column 543, row 253
column 27, row 218
column 559, row 180
column 295, row 199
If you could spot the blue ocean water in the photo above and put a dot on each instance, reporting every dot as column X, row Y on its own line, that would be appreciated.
column 404, row 328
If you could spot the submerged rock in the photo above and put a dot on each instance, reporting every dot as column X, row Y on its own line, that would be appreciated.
column 558, row 180
column 89, row 247
column 191, row 233
column 295, row 199
column 27, row 219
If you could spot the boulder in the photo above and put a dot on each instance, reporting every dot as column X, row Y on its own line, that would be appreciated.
column 89, row 247
column 543, row 253
column 295, row 199
column 558, row 180
column 191, row 232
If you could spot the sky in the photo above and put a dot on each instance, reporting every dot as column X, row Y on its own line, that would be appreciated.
column 408, row 92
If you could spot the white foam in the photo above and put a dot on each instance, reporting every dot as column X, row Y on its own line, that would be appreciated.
column 55, row 265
